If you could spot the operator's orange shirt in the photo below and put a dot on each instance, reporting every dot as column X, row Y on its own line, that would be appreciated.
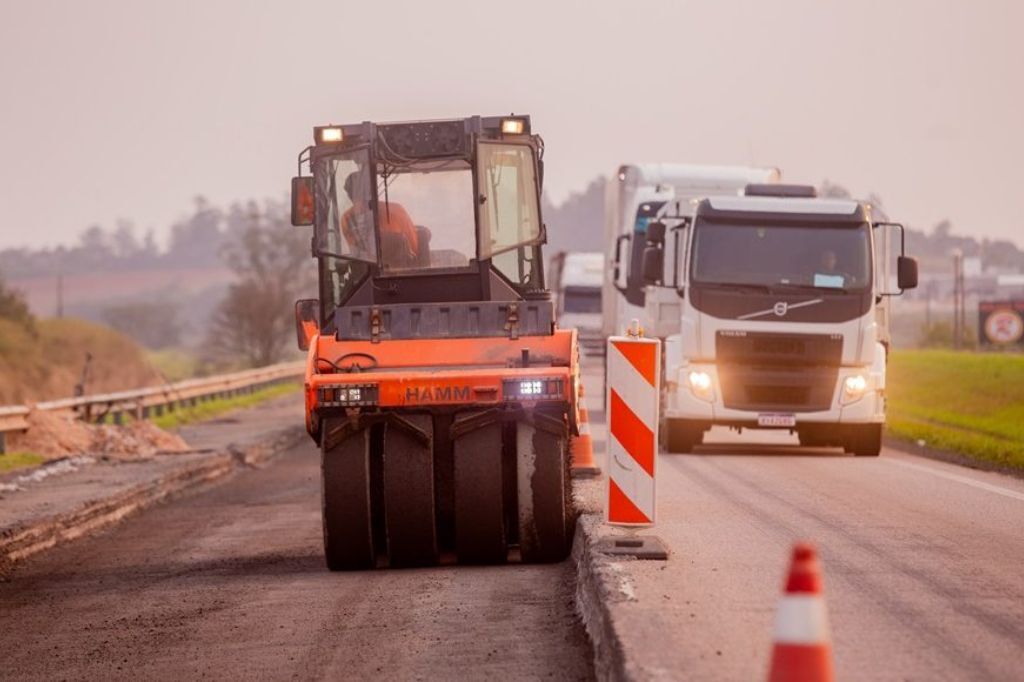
column 394, row 219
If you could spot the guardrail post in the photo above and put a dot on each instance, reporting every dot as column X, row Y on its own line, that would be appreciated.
column 3, row 443
column 118, row 417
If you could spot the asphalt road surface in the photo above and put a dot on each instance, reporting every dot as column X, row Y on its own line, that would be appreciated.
column 230, row 583
column 923, row 562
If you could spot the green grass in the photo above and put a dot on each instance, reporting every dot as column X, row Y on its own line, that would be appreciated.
column 174, row 364
column 215, row 408
column 12, row 461
column 968, row 403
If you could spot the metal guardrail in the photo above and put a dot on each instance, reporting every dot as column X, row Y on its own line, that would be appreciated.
column 143, row 403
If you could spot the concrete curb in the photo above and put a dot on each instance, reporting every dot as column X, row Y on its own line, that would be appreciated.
column 43, row 533
column 599, row 584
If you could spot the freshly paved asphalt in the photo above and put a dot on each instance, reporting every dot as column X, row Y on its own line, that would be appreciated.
column 230, row 583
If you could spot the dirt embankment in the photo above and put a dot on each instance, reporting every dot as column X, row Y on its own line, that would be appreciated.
column 46, row 363
column 54, row 436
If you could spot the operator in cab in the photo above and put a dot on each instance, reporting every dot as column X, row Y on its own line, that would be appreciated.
column 398, row 239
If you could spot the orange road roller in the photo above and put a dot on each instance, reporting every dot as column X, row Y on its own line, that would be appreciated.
column 440, row 391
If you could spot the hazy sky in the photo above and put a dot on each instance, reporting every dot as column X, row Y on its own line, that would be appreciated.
column 130, row 109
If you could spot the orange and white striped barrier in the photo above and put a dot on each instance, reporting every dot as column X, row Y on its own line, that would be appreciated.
column 633, row 400
column 803, row 648
column 582, row 446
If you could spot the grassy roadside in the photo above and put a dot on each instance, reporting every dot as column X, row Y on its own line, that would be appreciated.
column 968, row 403
column 215, row 408
column 13, row 461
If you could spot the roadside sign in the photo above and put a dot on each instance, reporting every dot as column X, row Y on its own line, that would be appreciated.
column 1001, row 323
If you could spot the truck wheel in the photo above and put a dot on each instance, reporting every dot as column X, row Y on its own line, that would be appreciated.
column 480, row 536
column 409, row 494
column 345, row 498
column 866, row 441
column 546, row 516
column 681, row 436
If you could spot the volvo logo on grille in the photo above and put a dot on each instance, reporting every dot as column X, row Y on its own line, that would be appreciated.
column 780, row 309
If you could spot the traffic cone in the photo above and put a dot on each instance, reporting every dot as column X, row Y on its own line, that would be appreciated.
column 582, row 446
column 803, row 650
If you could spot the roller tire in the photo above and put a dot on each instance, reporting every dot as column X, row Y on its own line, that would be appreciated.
column 345, row 499
column 409, row 516
column 547, row 518
column 480, row 534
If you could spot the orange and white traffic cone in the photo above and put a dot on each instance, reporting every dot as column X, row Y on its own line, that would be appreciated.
column 582, row 446
column 803, row 650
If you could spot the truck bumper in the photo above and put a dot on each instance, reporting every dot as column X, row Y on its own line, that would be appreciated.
column 681, row 402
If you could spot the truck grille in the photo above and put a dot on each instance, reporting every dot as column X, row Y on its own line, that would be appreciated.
column 778, row 372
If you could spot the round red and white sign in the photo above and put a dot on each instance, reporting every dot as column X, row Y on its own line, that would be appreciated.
column 1004, row 326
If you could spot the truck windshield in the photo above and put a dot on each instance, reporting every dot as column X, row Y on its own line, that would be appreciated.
column 774, row 256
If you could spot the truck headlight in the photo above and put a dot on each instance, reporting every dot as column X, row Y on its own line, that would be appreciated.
column 700, row 384
column 854, row 387
column 540, row 388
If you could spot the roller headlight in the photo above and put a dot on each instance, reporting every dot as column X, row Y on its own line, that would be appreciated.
column 533, row 389
column 349, row 395
column 331, row 135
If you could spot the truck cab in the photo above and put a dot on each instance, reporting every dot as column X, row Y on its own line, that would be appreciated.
column 779, row 315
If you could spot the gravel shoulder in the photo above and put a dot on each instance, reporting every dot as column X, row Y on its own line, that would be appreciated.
column 69, row 498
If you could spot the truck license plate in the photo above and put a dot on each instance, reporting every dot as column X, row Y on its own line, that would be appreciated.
column 776, row 420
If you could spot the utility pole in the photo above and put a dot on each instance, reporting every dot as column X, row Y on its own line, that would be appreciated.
column 957, row 298
column 60, row 296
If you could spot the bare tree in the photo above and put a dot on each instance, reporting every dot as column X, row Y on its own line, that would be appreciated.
column 254, row 322
column 13, row 307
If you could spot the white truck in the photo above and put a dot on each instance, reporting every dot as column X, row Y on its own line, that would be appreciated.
column 576, row 279
column 632, row 198
column 774, row 310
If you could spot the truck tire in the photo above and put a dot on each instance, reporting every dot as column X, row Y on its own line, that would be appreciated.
column 814, row 438
column 345, row 498
column 682, row 436
column 866, row 441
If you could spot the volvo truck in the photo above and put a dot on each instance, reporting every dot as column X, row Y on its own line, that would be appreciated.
column 774, row 307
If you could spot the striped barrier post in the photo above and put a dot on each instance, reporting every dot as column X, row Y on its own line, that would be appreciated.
column 633, row 392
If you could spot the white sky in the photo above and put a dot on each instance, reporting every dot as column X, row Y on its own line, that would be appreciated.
column 129, row 109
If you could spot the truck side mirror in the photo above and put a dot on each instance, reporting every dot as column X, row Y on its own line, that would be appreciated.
column 906, row 272
column 307, row 321
column 617, row 263
column 303, row 210
column 656, row 233
column 653, row 265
